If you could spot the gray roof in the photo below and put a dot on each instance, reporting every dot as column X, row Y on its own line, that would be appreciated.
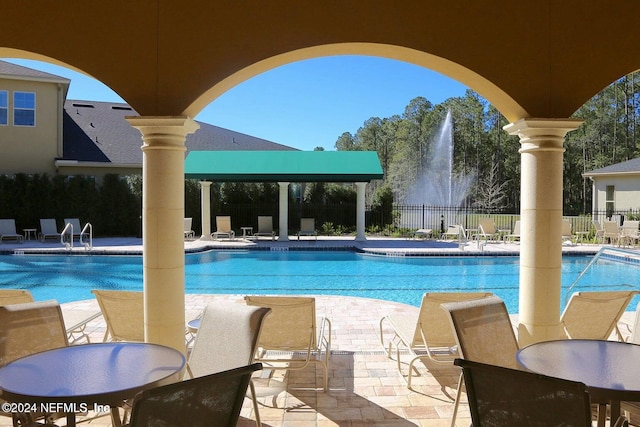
column 629, row 167
column 10, row 70
column 98, row 132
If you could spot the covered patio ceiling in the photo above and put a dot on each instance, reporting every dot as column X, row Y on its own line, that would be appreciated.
column 287, row 166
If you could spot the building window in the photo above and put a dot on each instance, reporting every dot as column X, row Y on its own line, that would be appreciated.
column 24, row 109
column 4, row 107
column 609, row 200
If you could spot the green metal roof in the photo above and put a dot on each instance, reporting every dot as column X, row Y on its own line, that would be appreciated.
column 289, row 166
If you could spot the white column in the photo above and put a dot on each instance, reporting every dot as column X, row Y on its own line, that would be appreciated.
column 360, row 207
column 284, row 212
column 541, row 156
column 205, row 208
column 163, row 226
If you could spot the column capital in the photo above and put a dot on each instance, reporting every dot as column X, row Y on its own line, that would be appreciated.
column 542, row 134
column 205, row 183
column 163, row 131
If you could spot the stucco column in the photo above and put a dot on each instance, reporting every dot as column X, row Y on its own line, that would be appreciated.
column 163, row 226
column 541, row 157
column 360, row 207
column 205, row 209
column 283, row 233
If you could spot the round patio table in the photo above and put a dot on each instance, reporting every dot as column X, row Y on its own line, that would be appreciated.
column 610, row 369
column 80, row 377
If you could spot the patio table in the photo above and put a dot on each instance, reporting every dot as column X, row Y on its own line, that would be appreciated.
column 610, row 369
column 87, row 377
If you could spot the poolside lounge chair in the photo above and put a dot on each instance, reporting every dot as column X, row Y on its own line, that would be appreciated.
column 123, row 312
column 227, row 338
column 599, row 234
column 455, row 232
column 503, row 397
column 265, row 227
column 629, row 233
column 595, row 315
column 567, row 233
column 514, row 235
column 223, row 228
column 307, row 228
column 289, row 339
column 611, row 232
column 487, row 230
column 15, row 296
column 76, row 228
column 210, row 401
column 188, row 232
column 427, row 335
column 48, row 229
column 423, row 233
column 484, row 334
column 8, row 231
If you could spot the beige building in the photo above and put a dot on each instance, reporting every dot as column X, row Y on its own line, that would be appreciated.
column 43, row 132
column 616, row 189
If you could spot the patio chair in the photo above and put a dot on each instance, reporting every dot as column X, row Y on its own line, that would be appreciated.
column 611, row 232
column 123, row 312
column 503, row 397
column 223, row 228
column 76, row 228
column 227, row 338
column 188, row 232
column 595, row 315
column 428, row 334
column 599, row 233
column 567, row 233
column 48, row 229
column 15, row 296
column 629, row 233
column 265, row 227
column 307, row 228
column 484, row 333
column 288, row 339
column 514, row 235
column 8, row 231
column 29, row 328
column 487, row 230
column 454, row 232
column 209, row 401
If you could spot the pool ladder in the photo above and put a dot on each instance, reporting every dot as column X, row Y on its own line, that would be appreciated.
column 86, row 231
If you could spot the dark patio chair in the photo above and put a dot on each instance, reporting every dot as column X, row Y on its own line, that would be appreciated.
column 504, row 397
column 208, row 401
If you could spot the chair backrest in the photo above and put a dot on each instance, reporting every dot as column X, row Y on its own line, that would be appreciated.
column 503, row 397
column 516, row 228
column 566, row 228
column 75, row 223
column 433, row 328
column 8, row 226
column 15, row 296
column 610, row 228
column 223, row 224
column 30, row 328
column 48, row 226
column 265, row 224
column 123, row 312
column 594, row 315
column 227, row 338
column 597, row 226
column 187, row 224
column 487, row 225
column 209, row 401
column 291, row 324
column 483, row 331
column 308, row 224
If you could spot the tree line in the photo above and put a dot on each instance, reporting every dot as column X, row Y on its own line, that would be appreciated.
column 484, row 151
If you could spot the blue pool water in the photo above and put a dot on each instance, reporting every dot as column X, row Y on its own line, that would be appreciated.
column 400, row 279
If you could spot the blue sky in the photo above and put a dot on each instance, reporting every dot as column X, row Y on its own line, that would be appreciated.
column 305, row 104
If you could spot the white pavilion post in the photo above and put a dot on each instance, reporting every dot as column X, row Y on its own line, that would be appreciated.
column 283, row 232
column 205, row 208
column 360, row 208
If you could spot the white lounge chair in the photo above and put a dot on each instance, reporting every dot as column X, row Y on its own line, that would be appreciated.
column 487, row 230
column 611, row 232
column 307, row 228
column 75, row 229
column 48, row 229
column 8, row 231
column 188, row 232
column 265, row 227
column 514, row 235
column 223, row 228
column 455, row 232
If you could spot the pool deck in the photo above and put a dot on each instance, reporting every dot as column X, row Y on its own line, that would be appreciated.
column 365, row 387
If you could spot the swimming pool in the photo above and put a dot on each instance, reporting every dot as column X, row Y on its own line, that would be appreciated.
column 400, row 279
